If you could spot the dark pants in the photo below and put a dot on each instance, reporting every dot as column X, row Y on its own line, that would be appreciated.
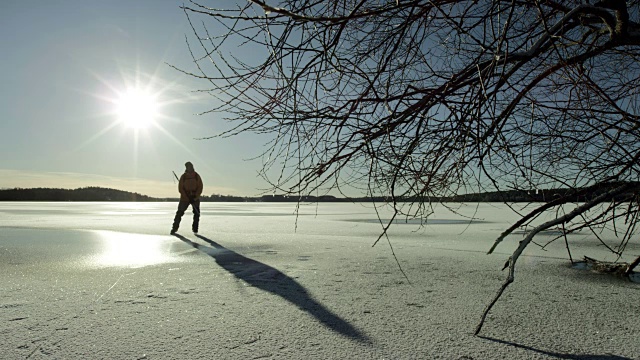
column 182, row 207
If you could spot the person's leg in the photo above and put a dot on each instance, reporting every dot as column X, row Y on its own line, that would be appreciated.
column 195, row 206
column 182, row 207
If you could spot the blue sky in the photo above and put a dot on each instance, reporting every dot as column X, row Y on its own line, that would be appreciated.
column 65, row 64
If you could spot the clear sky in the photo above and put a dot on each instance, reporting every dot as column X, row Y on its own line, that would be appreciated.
column 72, row 73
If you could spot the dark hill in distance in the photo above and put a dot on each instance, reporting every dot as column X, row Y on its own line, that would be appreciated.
column 81, row 194
column 105, row 194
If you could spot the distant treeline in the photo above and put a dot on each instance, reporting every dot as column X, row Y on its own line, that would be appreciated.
column 105, row 194
column 82, row 194
column 291, row 198
column 541, row 195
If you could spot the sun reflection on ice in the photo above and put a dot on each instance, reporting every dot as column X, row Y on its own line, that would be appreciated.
column 131, row 250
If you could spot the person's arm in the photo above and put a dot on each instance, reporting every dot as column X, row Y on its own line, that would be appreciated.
column 183, row 193
column 199, row 187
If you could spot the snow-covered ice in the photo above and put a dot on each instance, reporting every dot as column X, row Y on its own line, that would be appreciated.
column 107, row 281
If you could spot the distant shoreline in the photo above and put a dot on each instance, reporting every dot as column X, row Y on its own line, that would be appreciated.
column 106, row 194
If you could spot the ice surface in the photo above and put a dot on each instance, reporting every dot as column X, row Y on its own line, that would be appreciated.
column 106, row 280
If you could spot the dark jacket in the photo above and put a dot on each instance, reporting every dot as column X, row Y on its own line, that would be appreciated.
column 190, row 186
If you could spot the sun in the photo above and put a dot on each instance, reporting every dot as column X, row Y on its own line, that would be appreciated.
column 137, row 108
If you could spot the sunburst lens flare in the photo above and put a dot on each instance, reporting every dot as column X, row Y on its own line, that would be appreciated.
column 137, row 108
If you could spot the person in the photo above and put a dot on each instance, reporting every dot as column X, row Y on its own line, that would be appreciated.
column 190, row 187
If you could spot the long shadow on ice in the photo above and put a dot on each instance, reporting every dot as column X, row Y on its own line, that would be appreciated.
column 559, row 355
column 267, row 278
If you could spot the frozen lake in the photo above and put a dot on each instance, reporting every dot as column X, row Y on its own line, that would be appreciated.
column 106, row 280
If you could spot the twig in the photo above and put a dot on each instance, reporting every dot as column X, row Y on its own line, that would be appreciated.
column 523, row 244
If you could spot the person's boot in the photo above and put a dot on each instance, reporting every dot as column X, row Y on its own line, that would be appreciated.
column 195, row 224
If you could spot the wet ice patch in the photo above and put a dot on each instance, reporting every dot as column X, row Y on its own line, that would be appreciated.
column 598, row 268
column 122, row 249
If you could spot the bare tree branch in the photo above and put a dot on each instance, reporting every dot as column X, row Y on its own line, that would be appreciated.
column 418, row 101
